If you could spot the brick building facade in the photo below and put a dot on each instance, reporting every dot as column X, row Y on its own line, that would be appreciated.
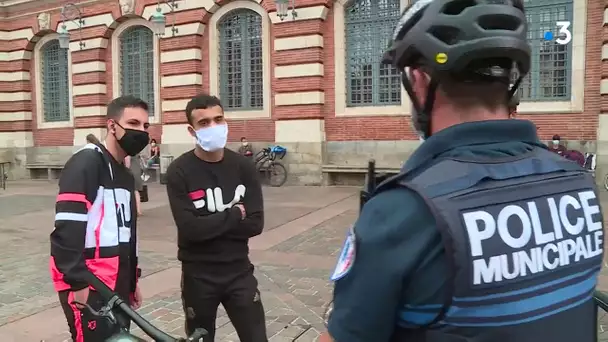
column 313, row 81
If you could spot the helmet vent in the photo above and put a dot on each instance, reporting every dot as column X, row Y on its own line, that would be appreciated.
column 447, row 34
column 456, row 7
column 499, row 22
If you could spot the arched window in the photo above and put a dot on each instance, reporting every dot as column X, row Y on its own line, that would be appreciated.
column 137, row 64
column 550, row 77
column 241, row 63
column 55, row 82
column 369, row 25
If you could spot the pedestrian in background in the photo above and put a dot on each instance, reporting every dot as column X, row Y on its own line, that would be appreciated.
column 556, row 145
column 246, row 149
column 154, row 154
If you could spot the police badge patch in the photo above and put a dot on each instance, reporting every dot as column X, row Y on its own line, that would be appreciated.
column 347, row 257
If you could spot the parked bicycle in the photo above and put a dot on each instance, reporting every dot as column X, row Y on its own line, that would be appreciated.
column 272, row 171
column 116, row 304
column 590, row 164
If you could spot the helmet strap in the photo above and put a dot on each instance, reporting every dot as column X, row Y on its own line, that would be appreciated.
column 514, row 87
column 421, row 119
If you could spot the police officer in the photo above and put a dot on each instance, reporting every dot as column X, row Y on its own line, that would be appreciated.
column 485, row 235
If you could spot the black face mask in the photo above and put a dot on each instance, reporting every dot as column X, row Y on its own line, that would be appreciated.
column 134, row 141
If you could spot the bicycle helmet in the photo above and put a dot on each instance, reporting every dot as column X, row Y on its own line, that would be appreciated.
column 472, row 40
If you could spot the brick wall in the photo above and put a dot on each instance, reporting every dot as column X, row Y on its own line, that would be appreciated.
column 302, row 79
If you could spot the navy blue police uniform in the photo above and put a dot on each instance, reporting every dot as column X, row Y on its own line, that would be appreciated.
column 484, row 236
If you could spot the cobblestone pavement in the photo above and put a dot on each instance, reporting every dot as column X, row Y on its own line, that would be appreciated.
column 294, row 294
column 304, row 230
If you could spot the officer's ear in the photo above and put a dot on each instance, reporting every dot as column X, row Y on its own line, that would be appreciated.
column 420, row 81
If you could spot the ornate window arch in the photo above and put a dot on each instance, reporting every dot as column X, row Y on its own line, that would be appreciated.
column 54, row 104
column 556, row 82
column 550, row 77
column 136, row 65
column 239, row 57
column 368, row 82
column 241, row 63
column 363, row 85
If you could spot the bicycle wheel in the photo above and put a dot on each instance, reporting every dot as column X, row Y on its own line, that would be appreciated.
column 262, row 168
column 277, row 174
column 601, row 299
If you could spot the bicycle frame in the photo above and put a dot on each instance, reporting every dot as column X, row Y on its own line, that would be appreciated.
column 116, row 303
column 262, row 154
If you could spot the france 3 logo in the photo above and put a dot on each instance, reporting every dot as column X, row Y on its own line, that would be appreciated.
column 563, row 37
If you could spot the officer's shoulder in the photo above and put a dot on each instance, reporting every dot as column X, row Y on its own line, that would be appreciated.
column 396, row 200
column 394, row 210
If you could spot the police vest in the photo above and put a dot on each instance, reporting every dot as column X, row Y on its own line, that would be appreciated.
column 524, row 241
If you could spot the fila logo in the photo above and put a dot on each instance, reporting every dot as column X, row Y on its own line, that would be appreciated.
column 214, row 198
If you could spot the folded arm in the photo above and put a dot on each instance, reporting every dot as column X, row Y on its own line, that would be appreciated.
column 190, row 224
column 253, row 224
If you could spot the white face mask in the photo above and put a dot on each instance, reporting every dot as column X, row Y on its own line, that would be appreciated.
column 245, row 143
column 212, row 138
column 555, row 142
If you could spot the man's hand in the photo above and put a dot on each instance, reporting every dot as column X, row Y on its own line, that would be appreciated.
column 80, row 296
column 242, row 209
column 137, row 299
column 325, row 337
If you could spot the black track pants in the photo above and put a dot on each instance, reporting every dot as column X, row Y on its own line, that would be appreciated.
column 240, row 297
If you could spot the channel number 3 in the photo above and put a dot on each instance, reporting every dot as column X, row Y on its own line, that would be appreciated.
column 564, row 34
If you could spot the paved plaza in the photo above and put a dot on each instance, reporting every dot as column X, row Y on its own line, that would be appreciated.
column 304, row 229
column 303, row 233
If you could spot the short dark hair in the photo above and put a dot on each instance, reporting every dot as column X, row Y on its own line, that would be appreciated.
column 490, row 95
column 556, row 137
column 152, row 140
column 243, row 138
column 118, row 105
column 201, row 101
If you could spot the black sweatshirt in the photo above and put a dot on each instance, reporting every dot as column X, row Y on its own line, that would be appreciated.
column 86, row 189
column 202, row 196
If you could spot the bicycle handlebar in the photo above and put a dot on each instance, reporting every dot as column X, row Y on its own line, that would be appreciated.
column 601, row 299
column 111, row 297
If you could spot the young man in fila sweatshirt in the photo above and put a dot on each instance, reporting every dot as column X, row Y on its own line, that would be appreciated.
column 216, row 201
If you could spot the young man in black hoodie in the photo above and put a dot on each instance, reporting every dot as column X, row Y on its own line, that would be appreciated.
column 95, row 222
column 216, row 201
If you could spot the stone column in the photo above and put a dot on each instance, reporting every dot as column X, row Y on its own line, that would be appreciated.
column 299, row 98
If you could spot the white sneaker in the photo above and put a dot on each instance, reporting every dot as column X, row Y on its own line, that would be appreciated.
column 145, row 177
